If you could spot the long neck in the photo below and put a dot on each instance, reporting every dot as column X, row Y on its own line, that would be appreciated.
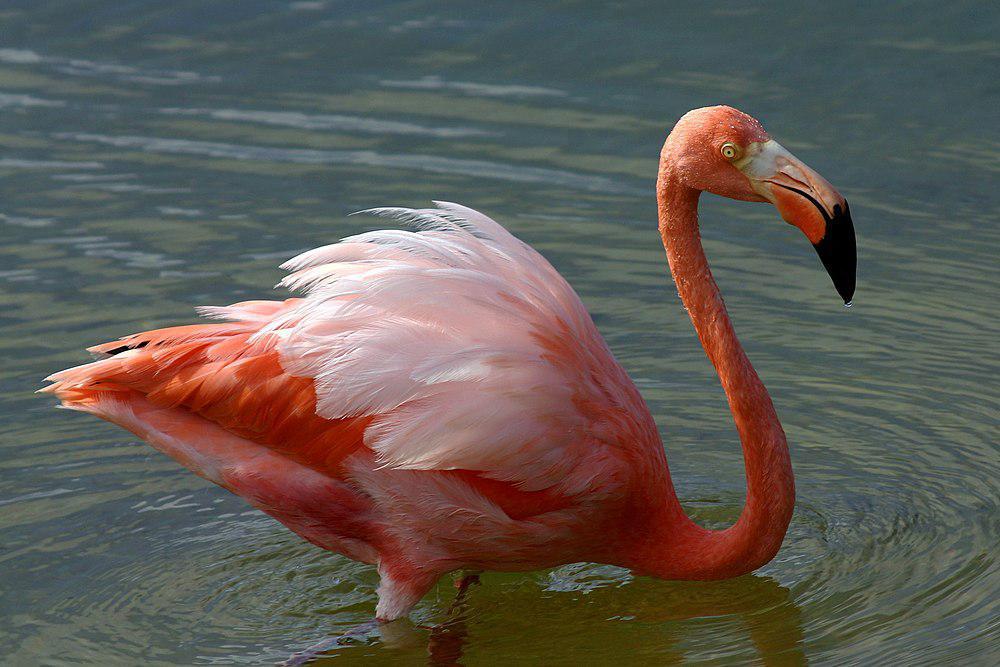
column 687, row 550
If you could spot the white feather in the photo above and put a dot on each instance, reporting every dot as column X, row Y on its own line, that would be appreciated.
column 463, row 343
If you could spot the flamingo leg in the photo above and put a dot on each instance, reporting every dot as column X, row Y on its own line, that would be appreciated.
column 447, row 640
column 444, row 647
column 462, row 583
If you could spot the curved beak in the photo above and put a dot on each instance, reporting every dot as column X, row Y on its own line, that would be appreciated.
column 808, row 201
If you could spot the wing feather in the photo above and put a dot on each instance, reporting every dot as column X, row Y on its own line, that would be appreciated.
column 465, row 347
column 455, row 347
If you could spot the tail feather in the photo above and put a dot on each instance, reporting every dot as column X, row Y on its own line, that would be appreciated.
column 219, row 372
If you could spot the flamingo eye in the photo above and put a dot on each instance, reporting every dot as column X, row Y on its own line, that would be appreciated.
column 730, row 150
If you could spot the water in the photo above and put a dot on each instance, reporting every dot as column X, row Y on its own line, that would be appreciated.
column 154, row 156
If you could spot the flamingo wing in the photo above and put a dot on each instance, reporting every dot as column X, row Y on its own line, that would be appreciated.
column 454, row 348
column 467, row 350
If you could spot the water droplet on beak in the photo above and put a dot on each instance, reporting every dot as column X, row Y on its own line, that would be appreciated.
column 848, row 304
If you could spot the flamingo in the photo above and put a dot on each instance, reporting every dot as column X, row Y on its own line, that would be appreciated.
column 439, row 400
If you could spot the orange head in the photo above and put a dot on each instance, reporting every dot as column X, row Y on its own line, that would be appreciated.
column 726, row 152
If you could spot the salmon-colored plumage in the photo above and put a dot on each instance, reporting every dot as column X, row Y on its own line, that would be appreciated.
column 439, row 399
column 217, row 373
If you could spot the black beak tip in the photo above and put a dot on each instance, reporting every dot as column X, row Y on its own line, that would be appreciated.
column 838, row 252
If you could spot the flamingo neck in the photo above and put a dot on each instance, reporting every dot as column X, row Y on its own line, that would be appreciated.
column 681, row 548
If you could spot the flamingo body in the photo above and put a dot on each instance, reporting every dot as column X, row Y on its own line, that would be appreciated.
column 440, row 399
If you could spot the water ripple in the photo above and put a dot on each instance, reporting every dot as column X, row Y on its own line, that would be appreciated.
column 429, row 163
column 24, row 163
column 90, row 68
column 11, row 100
column 339, row 123
column 472, row 88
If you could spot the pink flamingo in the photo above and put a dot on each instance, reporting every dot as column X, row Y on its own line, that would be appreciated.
column 440, row 400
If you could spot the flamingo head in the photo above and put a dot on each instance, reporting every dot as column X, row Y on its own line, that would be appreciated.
column 727, row 152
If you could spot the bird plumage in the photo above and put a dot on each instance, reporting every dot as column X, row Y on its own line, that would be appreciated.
column 446, row 384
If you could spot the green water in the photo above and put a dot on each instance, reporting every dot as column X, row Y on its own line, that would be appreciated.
column 157, row 155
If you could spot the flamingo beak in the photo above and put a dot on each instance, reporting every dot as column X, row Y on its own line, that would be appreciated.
column 808, row 201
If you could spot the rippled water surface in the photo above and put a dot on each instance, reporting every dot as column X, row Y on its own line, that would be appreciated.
column 154, row 156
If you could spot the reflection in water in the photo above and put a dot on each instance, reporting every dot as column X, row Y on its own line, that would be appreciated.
column 758, row 606
column 766, row 608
